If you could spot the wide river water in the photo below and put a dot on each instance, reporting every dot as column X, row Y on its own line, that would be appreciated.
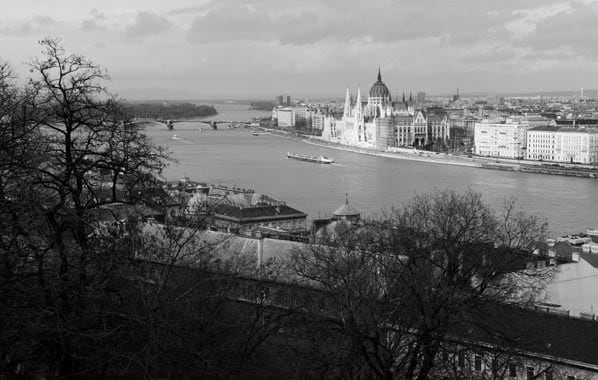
column 235, row 157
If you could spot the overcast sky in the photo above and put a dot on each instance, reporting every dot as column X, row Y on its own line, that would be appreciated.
column 307, row 48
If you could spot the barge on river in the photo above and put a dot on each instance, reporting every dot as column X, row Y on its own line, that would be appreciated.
column 315, row 159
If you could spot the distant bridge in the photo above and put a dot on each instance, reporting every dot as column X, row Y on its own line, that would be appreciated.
column 212, row 123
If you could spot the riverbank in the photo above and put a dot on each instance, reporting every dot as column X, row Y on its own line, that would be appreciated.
column 449, row 159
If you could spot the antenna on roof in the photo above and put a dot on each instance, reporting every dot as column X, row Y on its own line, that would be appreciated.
column 347, row 198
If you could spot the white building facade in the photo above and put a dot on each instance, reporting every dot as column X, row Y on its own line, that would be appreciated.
column 290, row 116
column 285, row 116
column 505, row 140
column 563, row 144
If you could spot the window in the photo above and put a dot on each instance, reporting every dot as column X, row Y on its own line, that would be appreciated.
column 478, row 363
column 530, row 373
column 513, row 370
column 570, row 377
column 548, row 375
column 461, row 359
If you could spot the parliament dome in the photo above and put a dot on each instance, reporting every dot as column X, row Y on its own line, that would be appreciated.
column 379, row 89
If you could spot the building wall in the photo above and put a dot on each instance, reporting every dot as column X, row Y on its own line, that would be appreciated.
column 329, row 130
column 541, row 145
column 285, row 117
column 567, row 145
column 438, row 129
column 404, row 132
column 317, row 121
column 290, row 224
column 419, row 130
column 465, row 363
column 500, row 140
column 576, row 146
column 385, row 132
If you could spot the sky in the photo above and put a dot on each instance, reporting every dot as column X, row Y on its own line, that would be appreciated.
column 232, row 48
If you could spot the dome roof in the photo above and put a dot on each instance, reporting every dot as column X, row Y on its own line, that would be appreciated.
column 346, row 210
column 379, row 89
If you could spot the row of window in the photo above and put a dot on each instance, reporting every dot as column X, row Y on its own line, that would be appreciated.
column 512, row 371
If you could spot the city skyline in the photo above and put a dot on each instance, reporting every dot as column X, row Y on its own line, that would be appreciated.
column 190, row 49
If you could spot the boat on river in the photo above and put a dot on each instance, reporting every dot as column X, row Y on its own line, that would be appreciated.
column 315, row 159
column 175, row 137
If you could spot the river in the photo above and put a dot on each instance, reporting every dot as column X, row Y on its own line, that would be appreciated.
column 235, row 157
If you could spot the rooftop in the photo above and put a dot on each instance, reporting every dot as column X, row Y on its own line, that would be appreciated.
column 566, row 129
column 258, row 212
column 346, row 210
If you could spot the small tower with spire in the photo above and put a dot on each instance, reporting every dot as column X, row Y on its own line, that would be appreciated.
column 347, row 213
column 347, row 109
column 358, row 105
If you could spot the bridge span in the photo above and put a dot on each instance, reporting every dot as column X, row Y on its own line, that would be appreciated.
column 212, row 123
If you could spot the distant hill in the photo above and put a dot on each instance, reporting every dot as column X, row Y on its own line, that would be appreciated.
column 589, row 93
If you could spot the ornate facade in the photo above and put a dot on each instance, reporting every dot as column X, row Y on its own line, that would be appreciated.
column 381, row 123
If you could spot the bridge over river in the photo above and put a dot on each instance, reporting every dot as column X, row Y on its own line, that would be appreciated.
column 170, row 124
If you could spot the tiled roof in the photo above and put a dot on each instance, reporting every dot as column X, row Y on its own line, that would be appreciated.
column 591, row 258
column 536, row 332
column 346, row 210
column 577, row 121
column 545, row 128
column 122, row 211
column 258, row 212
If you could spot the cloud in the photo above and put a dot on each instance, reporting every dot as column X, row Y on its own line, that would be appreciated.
column 43, row 21
column 21, row 30
column 571, row 31
column 187, row 10
column 147, row 23
column 269, row 46
column 38, row 24
column 494, row 55
column 457, row 22
column 94, row 22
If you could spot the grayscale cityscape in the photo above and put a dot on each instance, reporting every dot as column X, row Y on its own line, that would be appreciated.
column 221, row 189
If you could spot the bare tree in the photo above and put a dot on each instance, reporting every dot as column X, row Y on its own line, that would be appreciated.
column 59, row 132
column 401, row 286
column 84, row 298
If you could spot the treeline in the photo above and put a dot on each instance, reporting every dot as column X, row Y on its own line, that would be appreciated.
column 170, row 111
column 262, row 105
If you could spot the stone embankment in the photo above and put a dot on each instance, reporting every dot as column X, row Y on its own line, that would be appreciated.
column 451, row 159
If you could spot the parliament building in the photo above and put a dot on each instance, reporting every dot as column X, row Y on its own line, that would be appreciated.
column 381, row 123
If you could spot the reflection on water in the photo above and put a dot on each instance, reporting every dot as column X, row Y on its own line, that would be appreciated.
column 236, row 157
